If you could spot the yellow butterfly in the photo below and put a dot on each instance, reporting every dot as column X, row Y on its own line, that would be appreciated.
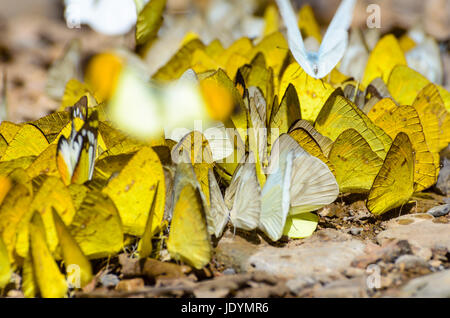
column 48, row 278
column 394, row 184
column 386, row 55
column 74, row 259
column 97, row 227
column 406, row 119
column 133, row 186
column 189, row 239
column 356, row 165
column 339, row 114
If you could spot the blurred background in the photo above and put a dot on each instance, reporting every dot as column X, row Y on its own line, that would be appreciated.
column 33, row 33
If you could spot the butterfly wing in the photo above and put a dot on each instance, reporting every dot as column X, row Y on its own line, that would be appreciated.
column 188, row 238
column 218, row 210
column 275, row 198
column 313, row 185
column 247, row 201
column 335, row 41
column 86, row 139
column 295, row 39
column 394, row 184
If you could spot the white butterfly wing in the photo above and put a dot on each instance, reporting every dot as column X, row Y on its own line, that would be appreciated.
column 295, row 39
column 218, row 211
column 335, row 40
column 313, row 185
column 275, row 200
column 246, row 208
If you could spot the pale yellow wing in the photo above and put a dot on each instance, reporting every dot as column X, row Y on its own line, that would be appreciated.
column 188, row 238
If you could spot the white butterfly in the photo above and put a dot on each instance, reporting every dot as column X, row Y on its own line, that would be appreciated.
column 110, row 17
column 297, row 179
column 319, row 64
column 242, row 203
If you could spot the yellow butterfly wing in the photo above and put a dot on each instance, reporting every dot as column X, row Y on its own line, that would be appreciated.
column 324, row 142
column 45, row 163
column 312, row 93
column 97, row 227
column 307, row 142
column 145, row 244
column 52, row 124
column 14, row 207
column 404, row 84
column 8, row 130
column 194, row 148
column 338, row 114
column 273, row 46
column 28, row 141
column 405, row 119
column 50, row 194
column 431, row 110
column 380, row 108
column 356, row 165
column 5, row 185
column 394, row 184
column 7, row 167
column 51, row 283
column 73, row 256
column 74, row 91
column 5, row 265
column 179, row 62
column 287, row 112
column 29, row 284
column 3, row 145
column 385, row 56
column 271, row 20
column 300, row 225
column 189, row 240
column 132, row 191
column 307, row 23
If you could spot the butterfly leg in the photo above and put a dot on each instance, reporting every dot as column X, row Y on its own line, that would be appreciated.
column 299, row 69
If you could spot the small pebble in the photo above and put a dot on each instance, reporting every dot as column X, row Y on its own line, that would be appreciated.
column 356, row 230
column 109, row 280
column 410, row 262
column 439, row 210
column 229, row 271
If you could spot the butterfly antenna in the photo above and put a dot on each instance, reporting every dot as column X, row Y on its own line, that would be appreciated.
column 321, row 80
column 299, row 69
